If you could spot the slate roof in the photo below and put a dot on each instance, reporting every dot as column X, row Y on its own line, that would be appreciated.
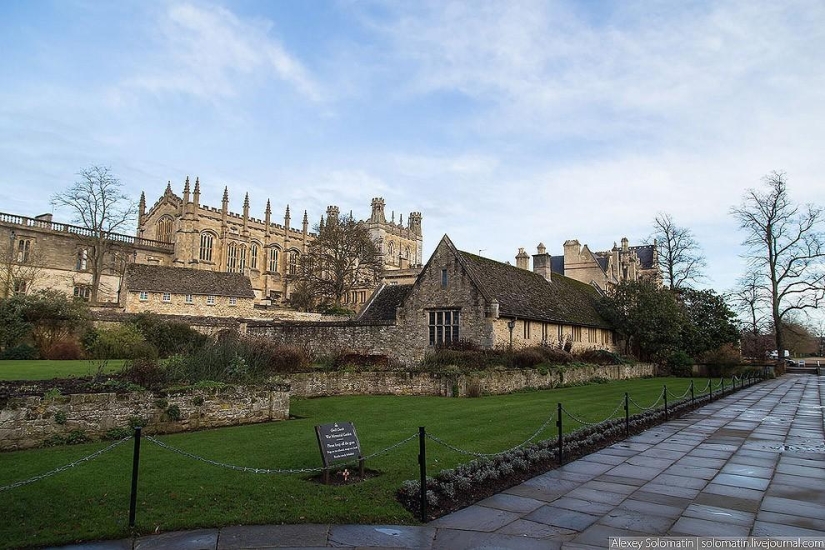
column 645, row 254
column 524, row 294
column 383, row 304
column 557, row 264
column 182, row 280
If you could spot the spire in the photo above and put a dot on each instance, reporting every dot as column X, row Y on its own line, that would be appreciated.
column 306, row 219
column 268, row 210
column 196, row 197
column 142, row 206
column 246, row 206
column 197, row 186
column 267, row 218
column 186, row 194
column 226, row 194
column 168, row 188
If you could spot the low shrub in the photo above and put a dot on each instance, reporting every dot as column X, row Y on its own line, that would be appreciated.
column 63, row 350
column 122, row 342
column 144, row 372
column 600, row 357
column 680, row 364
column 527, row 358
column 20, row 352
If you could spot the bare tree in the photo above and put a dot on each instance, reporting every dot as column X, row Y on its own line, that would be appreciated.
column 342, row 258
column 785, row 246
column 99, row 205
column 680, row 257
column 750, row 300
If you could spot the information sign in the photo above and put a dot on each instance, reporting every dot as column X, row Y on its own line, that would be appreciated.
column 338, row 442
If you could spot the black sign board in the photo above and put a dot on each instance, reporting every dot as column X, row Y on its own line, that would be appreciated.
column 338, row 442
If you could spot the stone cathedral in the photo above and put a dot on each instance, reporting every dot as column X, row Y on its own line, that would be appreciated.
column 265, row 250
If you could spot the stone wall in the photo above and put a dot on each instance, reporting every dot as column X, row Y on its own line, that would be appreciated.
column 322, row 384
column 27, row 422
column 373, row 338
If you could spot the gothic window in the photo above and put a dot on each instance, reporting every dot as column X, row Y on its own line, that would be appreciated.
column 407, row 253
column 293, row 262
column 20, row 286
column 82, row 260
column 23, row 250
column 273, row 260
column 164, row 230
column 83, row 292
column 253, row 256
column 232, row 258
column 444, row 326
column 443, row 278
column 207, row 240
column 391, row 251
column 242, row 259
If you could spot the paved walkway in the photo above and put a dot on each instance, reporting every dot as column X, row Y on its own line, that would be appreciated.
column 748, row 464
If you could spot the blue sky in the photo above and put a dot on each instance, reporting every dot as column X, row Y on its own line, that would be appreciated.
column 505, row 123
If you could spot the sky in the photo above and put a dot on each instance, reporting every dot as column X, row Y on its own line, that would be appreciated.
column 505, row 123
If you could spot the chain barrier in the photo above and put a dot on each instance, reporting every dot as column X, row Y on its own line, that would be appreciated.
column 721, row 382
column 67, row 466
column 705, row 389
column 486, row 455
column 590, row 424
column 684, row 395
column 650, row 408
column 270, row 471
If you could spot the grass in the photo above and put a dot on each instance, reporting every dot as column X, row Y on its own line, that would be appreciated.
column 91, row 501
column 45, row 369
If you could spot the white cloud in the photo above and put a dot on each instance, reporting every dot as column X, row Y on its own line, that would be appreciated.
column 211, row 52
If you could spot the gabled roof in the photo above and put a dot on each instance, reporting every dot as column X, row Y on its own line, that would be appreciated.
column 645, row 253
column 182, row 280
column 524, row 294
column 384, row 302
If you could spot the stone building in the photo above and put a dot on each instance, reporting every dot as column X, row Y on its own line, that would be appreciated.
column 38, row 253
column 600, row 269
column 183, row 291
column 459, row 296
column 217, row 239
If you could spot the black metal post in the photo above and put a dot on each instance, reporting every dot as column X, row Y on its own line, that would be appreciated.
column 561, row 439
column 626, row 415
column 664, row 393
column 710, row 388
column 135, row 462
column 723, row 386
column 422, row 463
column 692, row 393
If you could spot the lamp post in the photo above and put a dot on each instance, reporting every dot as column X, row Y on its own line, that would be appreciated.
column 511, row 324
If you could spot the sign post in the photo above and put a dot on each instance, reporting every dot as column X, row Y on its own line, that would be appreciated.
column 338, row 443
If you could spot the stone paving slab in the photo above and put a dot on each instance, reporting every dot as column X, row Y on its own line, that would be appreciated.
column 750, row 463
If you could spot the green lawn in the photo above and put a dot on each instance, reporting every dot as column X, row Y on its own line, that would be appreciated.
column 45, row 370
column 90, row 501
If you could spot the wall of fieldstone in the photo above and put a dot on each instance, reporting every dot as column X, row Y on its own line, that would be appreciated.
column 319, row 384
column 27, row 422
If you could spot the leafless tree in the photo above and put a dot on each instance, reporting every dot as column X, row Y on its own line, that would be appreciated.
column 342, row 258
column 680, row 257
column 99, row 205
column 784, row 244
column 750, row 300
